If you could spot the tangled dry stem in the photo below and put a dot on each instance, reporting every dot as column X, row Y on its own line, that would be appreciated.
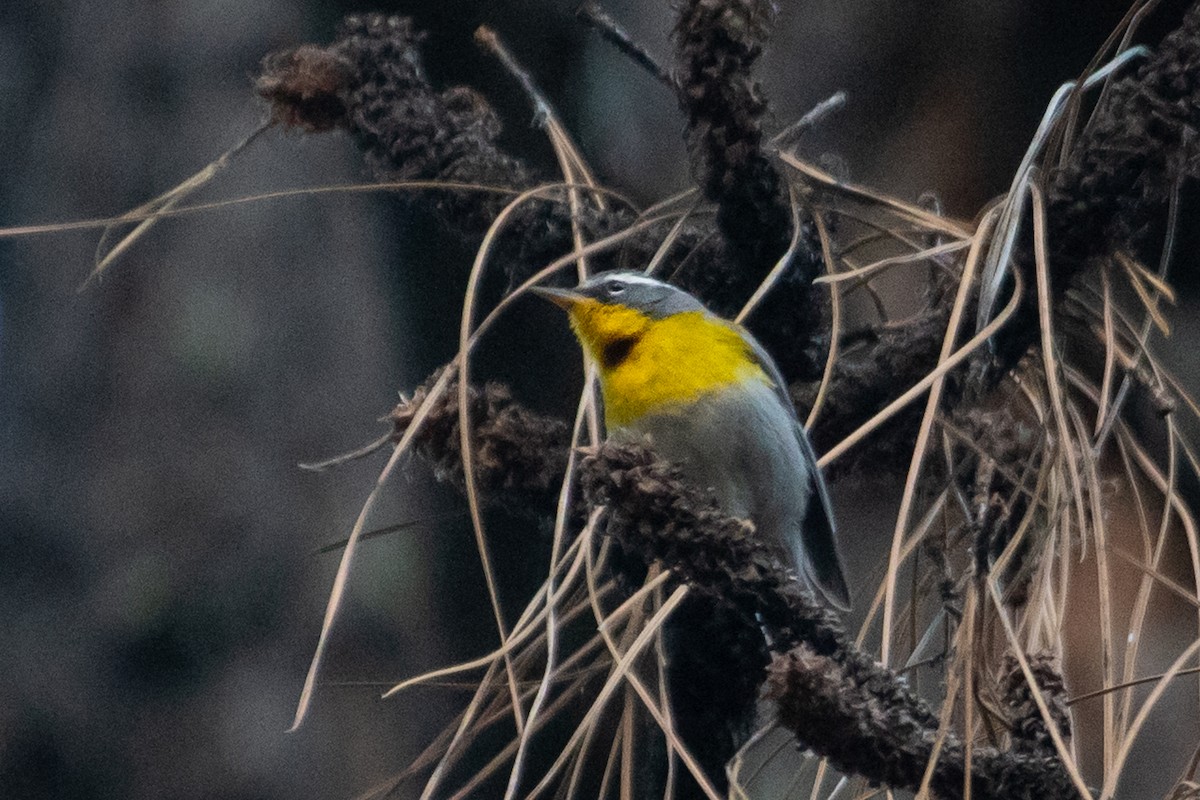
column 838, row 700
column 371, row 82
column 1111, row 194
column 1113, row 191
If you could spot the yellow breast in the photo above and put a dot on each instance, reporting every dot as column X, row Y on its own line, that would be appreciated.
column 648, row 365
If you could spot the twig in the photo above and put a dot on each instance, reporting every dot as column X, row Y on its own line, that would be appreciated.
column 594, row 15
column 787, row 138
column 542, row 110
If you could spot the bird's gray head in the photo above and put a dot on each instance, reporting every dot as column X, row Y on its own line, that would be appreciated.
column 653, row 298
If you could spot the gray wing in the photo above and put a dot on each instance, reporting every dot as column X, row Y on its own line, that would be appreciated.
column 818, row 534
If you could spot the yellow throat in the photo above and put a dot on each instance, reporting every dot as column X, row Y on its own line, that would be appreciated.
column 655, row 365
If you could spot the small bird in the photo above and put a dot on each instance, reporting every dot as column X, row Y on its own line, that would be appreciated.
column 709, row 398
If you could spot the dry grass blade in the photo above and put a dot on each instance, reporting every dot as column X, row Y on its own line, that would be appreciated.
column 920, row 216
column 781, row 265
column 1182, row 511
column 661, row 664
column 789, row 137
column 352, row 455
column 631, row 730
column 149, row 213
column 1110, row 352
column 670, row 239
column 612, row 32
column 739, row 784
column 966, row 284
column 835, row 321
column 614, row 754
column 1104, row 583
column 1168, row 583
column 1110, row 785
column 1142, row 603
column 376, row 533
column 970, row 614
column 932, row 377
column 100, row 223
column 884, row 264
column 1137, row 275
column 1128, row 684
column 819, row 778
column 607, row 622
column 343, row 573
column 620, row 670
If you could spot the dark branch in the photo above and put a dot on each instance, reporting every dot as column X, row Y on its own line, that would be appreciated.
column 1113, row 192
column 878, row 729
column 1028, row 729
column 520, row 456
column 838, row 701
column 371, row 81
column 718, row 43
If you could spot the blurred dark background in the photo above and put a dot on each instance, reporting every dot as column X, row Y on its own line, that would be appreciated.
column 159, row 595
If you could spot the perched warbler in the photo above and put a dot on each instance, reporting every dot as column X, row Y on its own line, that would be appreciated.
column 709, row 398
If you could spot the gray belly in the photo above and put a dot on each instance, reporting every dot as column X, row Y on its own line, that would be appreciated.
column 742, row 445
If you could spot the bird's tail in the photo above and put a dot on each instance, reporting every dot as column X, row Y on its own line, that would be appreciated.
column 715, row 662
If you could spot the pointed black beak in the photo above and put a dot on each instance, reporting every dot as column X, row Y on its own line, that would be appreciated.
column 564, row 298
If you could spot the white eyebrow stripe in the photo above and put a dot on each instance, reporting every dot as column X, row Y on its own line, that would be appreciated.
column 629, row 277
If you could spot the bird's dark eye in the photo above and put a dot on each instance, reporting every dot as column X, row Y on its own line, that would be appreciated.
column 615, row 288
